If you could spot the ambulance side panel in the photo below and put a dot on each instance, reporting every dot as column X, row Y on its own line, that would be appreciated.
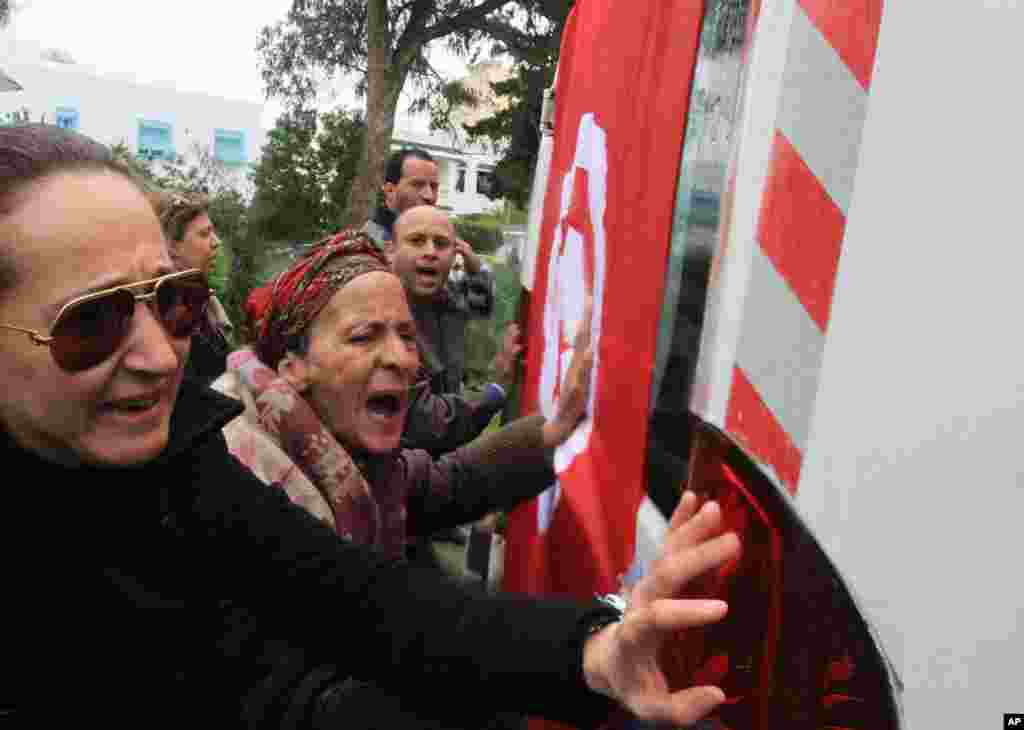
column 913, row 473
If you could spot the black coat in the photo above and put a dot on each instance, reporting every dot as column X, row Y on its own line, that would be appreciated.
column 116, row 584
column 208, row 355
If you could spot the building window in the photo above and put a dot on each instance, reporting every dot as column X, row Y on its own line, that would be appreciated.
column 460, row 178
column 67, row 118
column 485, row 182
column 229, row 146
column 156, row 140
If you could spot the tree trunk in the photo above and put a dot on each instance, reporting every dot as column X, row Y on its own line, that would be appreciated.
column 381, row 106
column 383, row 86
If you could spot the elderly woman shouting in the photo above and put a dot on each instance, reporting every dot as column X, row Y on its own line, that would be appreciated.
column 327, row 392
column 126, row 523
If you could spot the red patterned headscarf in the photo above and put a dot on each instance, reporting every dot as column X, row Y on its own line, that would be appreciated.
column 283, row 309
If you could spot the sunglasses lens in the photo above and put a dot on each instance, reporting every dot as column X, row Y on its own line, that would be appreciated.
column 182, row 304
column 87, row 334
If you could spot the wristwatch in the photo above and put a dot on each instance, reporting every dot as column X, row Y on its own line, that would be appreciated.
column 617, row 606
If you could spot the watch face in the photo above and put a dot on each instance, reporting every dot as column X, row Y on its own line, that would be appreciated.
column 614, row 600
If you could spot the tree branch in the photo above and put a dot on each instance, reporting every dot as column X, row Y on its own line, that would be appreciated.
column 471, row 19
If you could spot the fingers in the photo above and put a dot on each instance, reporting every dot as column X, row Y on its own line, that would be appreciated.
column 582, row 340
column 677, row 567
column 684, row 511
column 649, row 626
column 644, row 632
column 511, row 343
column 705, row 523
column 671, row 577
column 688, row 528
column 682, row 708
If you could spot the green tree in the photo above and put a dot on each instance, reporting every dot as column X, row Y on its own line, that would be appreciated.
column 515, row 128
column 305, row 173
column 382, row 43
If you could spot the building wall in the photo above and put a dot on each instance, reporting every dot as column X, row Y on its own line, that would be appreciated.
column 110, row 108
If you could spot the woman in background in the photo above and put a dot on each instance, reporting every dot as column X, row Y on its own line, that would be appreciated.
column 193, row 242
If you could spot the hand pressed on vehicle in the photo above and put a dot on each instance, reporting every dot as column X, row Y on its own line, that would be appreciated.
column 507, row 359
column 622, row 660
column 574, row 391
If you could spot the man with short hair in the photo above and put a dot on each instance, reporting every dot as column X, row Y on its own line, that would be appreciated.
column 410, row 179
column 424, row 250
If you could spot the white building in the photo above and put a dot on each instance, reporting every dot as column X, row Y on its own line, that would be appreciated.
column 155, row 121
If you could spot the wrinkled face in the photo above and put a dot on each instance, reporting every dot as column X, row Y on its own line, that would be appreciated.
column 197, row 248
column 424, row 251
column 417, row 186
column 361, row 364
column 76, row 233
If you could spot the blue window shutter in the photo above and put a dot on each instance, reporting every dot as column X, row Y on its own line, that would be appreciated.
column 229, row 146
column 67, row 117
column 156, row 140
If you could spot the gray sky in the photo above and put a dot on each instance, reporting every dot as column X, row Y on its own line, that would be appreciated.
column 197, row 45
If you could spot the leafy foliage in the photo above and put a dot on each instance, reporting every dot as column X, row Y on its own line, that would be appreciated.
column 305, row 174
column 516, row 127
column 482, row 237
column 382, row 43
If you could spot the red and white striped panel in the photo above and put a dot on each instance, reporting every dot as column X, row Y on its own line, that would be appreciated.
column 823, row 54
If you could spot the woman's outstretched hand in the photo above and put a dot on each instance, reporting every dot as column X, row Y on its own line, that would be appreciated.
column 622, row 660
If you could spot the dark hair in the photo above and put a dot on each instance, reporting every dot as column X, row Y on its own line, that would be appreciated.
column 32, row 152
column 393, row 168
column 177, row 210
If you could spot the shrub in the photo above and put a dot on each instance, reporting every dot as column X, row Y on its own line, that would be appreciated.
column 484, row 237
column 483, row 337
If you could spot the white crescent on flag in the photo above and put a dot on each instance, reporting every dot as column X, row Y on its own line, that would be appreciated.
column 576, row 269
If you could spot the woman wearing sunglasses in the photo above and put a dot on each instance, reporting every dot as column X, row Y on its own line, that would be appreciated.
column 126, row 524
column 193, row 243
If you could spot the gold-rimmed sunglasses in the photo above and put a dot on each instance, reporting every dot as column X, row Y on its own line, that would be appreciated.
column 90, row 328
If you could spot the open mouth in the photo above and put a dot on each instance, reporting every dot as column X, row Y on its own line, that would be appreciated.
column 384, row 404
column 427, row 272
column 134, row 405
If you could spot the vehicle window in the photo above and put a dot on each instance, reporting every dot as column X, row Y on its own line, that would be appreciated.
column 697, row 226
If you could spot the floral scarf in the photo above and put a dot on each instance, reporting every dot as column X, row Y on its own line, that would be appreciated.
column 285, row 443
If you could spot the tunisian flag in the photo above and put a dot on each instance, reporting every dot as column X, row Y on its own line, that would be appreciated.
column 622, row 96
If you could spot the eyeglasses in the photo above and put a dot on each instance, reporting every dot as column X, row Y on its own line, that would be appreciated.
column 89, row 329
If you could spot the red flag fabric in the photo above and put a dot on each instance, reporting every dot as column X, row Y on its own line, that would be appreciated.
column 622, row 96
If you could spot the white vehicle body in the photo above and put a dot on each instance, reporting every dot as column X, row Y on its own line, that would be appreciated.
column 904, row 411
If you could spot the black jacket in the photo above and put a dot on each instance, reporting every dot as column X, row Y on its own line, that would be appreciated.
column 208, row 355
column 116, row 584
